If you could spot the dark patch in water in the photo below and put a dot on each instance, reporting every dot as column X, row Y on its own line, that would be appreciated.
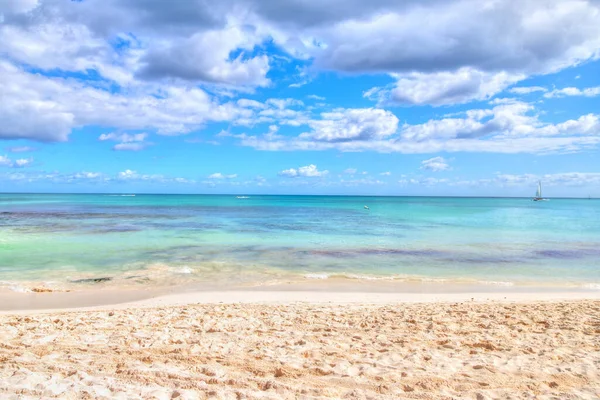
column 368, row 252
column 74, row 215
column 479, row 260
column 115, row 229
column 568, row 254
column 93, row 280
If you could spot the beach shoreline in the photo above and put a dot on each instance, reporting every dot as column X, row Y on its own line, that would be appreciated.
column 114, row 298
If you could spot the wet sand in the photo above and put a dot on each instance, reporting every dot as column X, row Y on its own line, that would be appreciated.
column 267, row 345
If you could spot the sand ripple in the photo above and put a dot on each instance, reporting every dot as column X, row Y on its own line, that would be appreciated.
column 413, row 351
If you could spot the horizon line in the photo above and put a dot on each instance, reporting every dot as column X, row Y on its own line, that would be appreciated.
column 304, row 195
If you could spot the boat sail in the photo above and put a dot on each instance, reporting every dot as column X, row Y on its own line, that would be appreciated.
column 538, row 193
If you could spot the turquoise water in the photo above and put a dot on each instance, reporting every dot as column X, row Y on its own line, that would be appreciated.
column 65, row 240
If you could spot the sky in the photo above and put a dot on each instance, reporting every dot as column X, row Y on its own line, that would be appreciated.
column 385, row 97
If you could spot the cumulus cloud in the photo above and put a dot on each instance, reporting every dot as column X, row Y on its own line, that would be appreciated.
column 20, row 149
column 136, row 65
column 423, row 181
column 205, row 56
column 573, row 91
column 47, row 109
column 455, row 57
column 127, row 176
column 219, row 175
column 527, row 89
column 353, row 124
column 361, row 182
column 309, row 171
column 350, row 171
column 130, row 146
column 435, row 164
column 387, row 173
column 5, row 161
column 458, row 55
column 129, row 142
column 18, row 163
column 22, row 162
column 123, row 137
column 527, row 180
column 510, row 126
column 442, row 88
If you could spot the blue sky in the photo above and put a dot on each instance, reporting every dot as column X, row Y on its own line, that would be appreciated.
column 294, row 97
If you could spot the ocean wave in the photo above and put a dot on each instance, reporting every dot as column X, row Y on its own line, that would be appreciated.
column 365, row 277
column 14, row 287
column 595, row 286
column 496, row 283
column 316, row 276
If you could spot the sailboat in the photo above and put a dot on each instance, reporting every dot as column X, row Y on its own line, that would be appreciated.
column 538, row 193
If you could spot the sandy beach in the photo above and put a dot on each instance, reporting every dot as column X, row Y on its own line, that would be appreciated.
column 309, row 346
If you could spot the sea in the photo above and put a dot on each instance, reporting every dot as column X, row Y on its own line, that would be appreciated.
column 79, row 241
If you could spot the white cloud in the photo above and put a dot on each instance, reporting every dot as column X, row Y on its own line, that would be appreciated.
column 423, row 181
column 573, row 91
column 352, row 124
column 457, row 55
column 435, row 164
column 145, row 62
column 350, row 171
column 248, row 103
column 46, row 109
column 205, row 56
column 527, row 89
column 509, row 119
column 442, row 88
column 219, row 175
column 387, row 173
column 309, row 171
column 18, row 163
column 510, row 126
column 284, row 103
column 133, row 176
column 130, row 146
column 124, row 137
column 315, row 97
column 5, row 161
column 361, row 182
column 88, row 175
column 127, row 174
column 22, row 162
column 21, row 149
column 525, row 181
column 129, row 142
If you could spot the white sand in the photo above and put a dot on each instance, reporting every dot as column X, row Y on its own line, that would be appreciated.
column 96, row 300
column 308, row 345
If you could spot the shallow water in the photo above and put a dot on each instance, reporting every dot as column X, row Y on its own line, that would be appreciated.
column 69, row 241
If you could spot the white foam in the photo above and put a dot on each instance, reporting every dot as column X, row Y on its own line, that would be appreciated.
column 185, row 270
column 316, row 276
column 369, row 277
column 496, row 283
column 595, row 286
column 15, row 288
